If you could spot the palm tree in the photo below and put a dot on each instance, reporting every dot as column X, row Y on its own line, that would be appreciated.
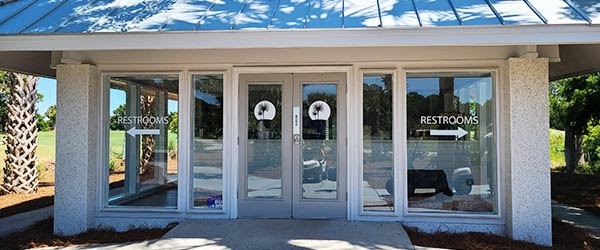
column 20, row 173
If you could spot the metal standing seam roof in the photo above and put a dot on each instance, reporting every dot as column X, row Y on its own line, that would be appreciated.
column 116, row 16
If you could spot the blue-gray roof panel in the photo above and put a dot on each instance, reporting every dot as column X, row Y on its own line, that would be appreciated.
column 291, row 14
column 81, row 16
column 476, row 12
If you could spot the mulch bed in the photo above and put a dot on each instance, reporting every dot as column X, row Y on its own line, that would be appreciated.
column 40, row 235
column 578, row 190
column 565, row 236
column 12, row 204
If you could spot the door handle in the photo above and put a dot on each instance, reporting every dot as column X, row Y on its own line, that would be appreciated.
column 296, row 139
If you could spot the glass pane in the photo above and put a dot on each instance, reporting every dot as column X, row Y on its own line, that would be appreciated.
column 263, row 151
column 378, row 150
column 143, row 141
column 451, row 143
column 207, row 162
column 319, row 148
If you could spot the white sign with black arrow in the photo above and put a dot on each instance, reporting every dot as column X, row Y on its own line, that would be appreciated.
column 134, row 131
column 459, row 133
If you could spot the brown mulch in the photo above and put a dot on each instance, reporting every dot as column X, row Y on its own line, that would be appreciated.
column 578, row 190
column 565, row 236
column 40, row 235
column 11, row 204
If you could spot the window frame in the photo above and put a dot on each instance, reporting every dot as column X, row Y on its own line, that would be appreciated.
column 104, row 151
column 498, row 142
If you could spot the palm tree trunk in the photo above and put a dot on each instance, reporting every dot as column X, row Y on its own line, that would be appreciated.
column 20, row 173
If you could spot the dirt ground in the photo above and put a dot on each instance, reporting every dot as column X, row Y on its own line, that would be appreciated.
column 565, row 237
column 40, row 235
column 578, row 190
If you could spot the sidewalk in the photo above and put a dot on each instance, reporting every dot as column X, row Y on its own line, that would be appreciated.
column 273, row 234
column 22, row 221
column 577, row 217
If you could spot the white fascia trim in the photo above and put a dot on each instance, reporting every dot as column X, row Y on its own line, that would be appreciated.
column 428, row 36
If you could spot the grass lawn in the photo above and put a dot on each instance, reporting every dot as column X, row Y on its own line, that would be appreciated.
column 45, row 149
column 557, row 148
column 47, row 143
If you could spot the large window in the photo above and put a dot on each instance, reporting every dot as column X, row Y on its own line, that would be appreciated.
column 142, row 140
column 207, row 165
column 451, row 143
column 378, row 150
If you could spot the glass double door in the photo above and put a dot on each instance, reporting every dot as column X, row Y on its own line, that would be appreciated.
column 292, row 146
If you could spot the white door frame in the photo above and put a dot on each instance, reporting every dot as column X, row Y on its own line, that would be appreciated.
column 351, row 128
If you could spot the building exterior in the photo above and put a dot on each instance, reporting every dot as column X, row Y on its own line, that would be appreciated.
column 430, row 113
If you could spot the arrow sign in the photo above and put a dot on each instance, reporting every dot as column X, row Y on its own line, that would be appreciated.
column 134, row 131
column 459, row 133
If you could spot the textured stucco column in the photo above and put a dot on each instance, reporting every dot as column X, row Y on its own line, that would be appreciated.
column 526, row 151
column 76, row 148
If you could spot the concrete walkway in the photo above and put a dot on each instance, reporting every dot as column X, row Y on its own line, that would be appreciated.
column 577, row 217
column 275, row 234
column 20, row 222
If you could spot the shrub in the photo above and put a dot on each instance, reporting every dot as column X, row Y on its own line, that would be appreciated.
column 591, row 146
column 112, row 165
column 588, row 168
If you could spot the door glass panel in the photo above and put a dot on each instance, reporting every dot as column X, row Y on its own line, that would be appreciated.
column 263, row 152
column 319, row 148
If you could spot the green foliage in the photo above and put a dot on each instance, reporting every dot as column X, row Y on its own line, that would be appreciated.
column 174, row 122
column 41, row 168
column 573, row 103
column 119, row 112
column 588, row 169
column 557, row 148
column 591, row 146
column 572, row 109
column 42, row 124
column 4, row 95
column 51, row 115
column 112, row 164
